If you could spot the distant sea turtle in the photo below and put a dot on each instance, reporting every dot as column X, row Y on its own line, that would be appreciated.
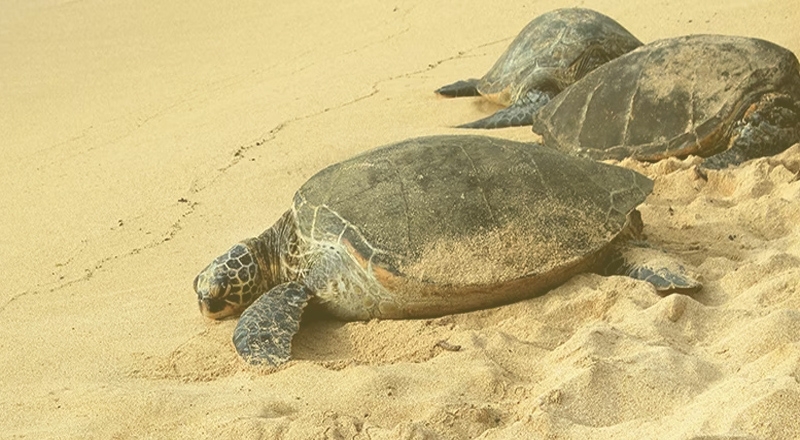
column 553, row 51
column 428, row 227
column 733, row 98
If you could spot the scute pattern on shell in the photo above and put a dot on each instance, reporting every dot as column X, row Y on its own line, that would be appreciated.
column 672, row 97
column 544, row 53
column 394, row 205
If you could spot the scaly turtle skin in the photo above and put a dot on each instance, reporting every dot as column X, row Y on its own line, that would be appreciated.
column 732, row 98
column 428, row 227
column 553, row 51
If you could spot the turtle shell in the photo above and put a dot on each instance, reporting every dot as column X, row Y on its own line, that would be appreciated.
column 553, row 51
column 434, row 214
column 673, row 97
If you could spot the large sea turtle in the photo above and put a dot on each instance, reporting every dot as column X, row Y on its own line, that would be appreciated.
column 428, row 227
column 733, row 98
column 553, row 51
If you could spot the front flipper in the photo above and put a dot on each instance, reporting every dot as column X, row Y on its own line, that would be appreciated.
column 518, row 114
column 467, row 87
column 664, row 272
column 265, row 330
column 772, row 126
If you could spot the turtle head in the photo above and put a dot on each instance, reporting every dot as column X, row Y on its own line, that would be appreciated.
column 229, row 284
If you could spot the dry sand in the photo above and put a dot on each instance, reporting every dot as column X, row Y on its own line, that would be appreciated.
column 141, row 139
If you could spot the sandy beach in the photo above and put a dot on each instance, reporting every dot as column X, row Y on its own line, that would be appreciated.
column 141, row 140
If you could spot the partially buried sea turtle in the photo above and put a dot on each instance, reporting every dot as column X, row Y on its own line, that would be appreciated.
column 553, row 51
column 428, row 227
column 733, row 98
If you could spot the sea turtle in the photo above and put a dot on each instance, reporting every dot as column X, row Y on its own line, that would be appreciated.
column 427, row 227
column 733, row 98
column 553, row 51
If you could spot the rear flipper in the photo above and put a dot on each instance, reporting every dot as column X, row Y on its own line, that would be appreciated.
column 518, row 114
column 770, row 126
column 664, row 272
column 468, row 87
column 264, row 333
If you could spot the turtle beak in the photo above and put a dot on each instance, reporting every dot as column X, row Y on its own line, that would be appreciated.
column 214, row 308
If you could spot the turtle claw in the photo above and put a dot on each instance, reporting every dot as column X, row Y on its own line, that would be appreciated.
column 264, row 333
column 701, row 172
